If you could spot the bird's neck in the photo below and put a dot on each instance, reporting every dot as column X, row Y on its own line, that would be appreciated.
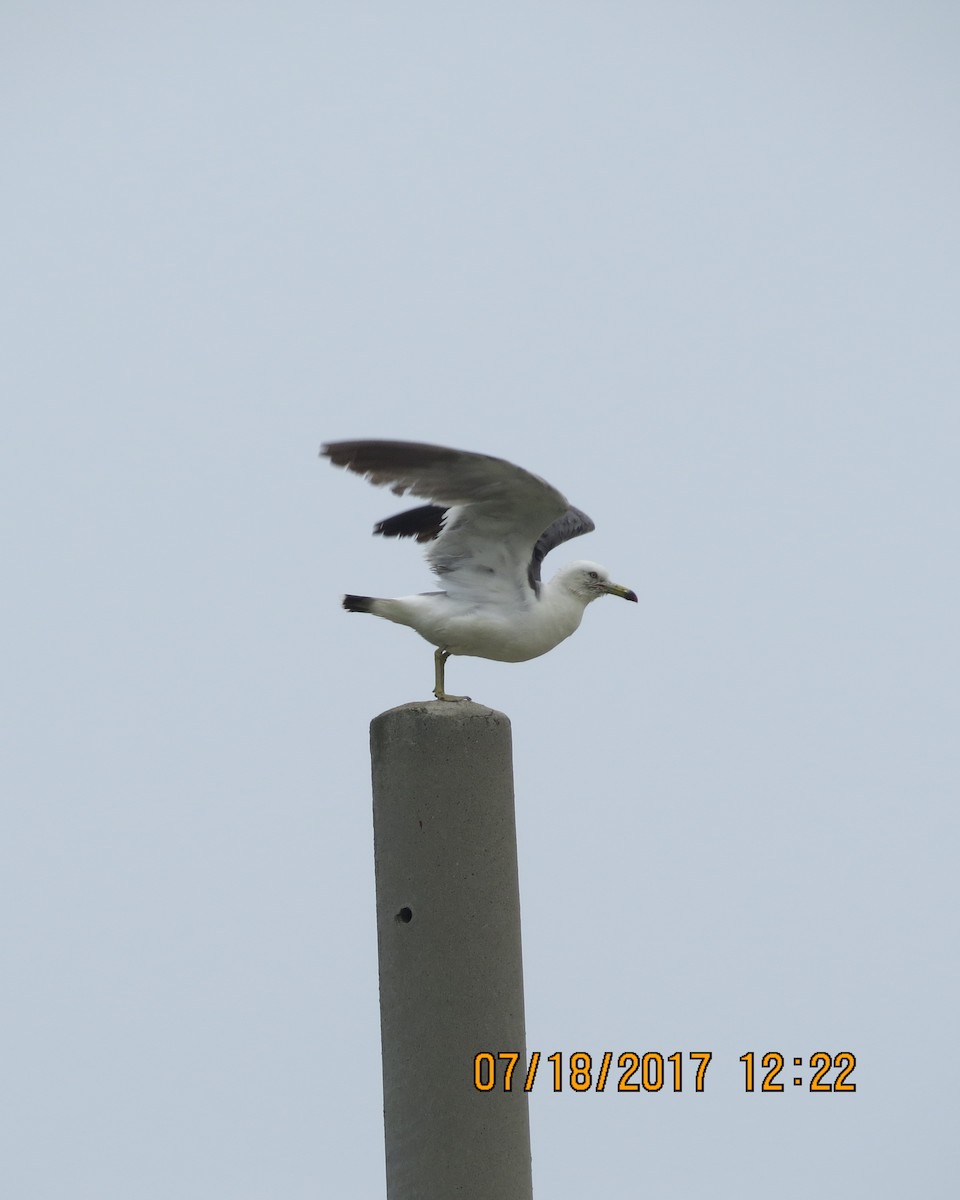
column 564, row 606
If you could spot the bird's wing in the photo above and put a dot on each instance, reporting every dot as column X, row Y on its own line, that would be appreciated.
column 572, row 524
column 500, row 521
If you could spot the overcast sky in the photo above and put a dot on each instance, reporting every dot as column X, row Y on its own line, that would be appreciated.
column 697, row 264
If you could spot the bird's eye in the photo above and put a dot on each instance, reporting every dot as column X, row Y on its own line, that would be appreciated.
column 593, row 575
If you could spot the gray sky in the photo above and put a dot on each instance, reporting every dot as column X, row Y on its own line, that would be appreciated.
column 698, row 266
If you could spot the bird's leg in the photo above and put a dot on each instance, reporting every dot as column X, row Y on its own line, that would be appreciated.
column 440, row 659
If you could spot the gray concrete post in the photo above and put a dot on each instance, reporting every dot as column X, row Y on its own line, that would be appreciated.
column 448, row 927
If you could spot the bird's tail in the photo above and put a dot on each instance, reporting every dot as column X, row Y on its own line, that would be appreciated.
column 359, row 603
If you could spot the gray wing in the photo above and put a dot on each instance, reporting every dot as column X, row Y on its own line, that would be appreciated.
column 500, row 522
column 573, row 523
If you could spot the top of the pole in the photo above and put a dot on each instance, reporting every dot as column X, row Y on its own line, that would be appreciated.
column 457, row 710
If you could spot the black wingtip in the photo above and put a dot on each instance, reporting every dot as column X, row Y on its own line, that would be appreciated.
column 423, row 523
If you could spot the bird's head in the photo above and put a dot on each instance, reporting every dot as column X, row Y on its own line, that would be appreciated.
column 588, row 580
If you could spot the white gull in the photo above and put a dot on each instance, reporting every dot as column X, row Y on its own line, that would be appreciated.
column 487, row 529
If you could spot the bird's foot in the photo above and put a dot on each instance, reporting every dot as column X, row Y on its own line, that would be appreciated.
column 440, row 659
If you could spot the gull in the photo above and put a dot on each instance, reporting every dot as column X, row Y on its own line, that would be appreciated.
column 487, row 529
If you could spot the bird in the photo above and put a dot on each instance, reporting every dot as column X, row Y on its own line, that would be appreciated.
column 487, row 528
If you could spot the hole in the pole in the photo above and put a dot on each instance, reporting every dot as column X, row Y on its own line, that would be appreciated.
column 405, row 915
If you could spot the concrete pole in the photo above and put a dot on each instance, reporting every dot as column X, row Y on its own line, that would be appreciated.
column 448, row 927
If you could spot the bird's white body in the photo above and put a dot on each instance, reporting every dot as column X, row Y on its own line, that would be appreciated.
column 485, row 630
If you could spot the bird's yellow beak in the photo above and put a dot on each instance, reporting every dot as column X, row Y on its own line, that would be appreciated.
column 617, row 589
